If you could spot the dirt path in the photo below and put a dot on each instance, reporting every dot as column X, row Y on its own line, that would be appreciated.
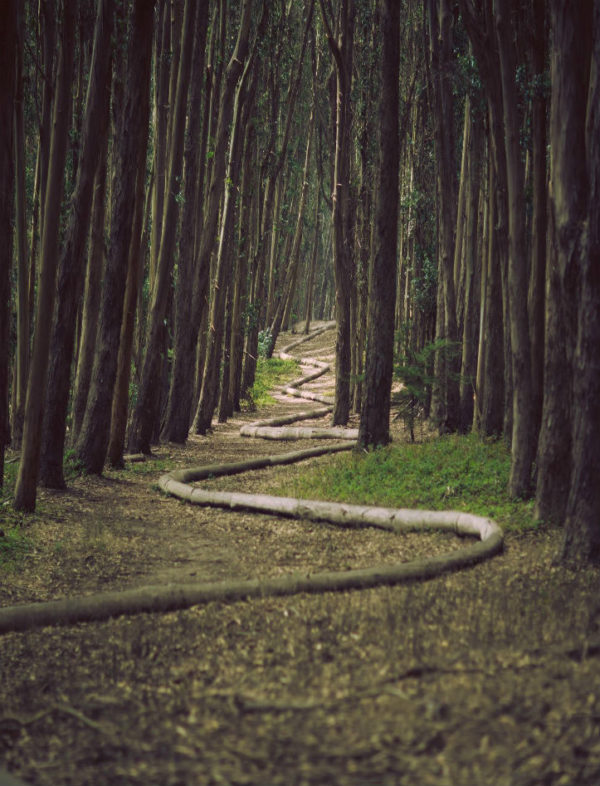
column 488, row 677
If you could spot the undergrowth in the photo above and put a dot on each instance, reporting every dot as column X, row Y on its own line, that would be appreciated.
column 270, row 373
column 448, row 473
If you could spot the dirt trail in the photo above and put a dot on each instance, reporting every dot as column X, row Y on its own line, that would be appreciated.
column 486, row 677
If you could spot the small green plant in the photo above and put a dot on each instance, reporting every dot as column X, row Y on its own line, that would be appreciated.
column 14, row 544
column 415, row 370
column 265, row 343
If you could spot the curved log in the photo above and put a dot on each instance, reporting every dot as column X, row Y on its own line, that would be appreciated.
column 104, row 605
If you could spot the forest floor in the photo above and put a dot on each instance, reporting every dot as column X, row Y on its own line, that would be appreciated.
column 486, row 676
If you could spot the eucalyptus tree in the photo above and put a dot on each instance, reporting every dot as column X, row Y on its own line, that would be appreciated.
column 129, row 155
column 375, row 413
column 8, row 60
column 26, row 486
column 71, row 268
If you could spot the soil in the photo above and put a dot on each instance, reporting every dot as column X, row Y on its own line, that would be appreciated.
column 487, row 676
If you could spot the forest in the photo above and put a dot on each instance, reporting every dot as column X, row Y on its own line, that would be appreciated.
column 184, row 179
column 201, row 200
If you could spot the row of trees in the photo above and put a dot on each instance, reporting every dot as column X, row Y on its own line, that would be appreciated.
column 184, row 174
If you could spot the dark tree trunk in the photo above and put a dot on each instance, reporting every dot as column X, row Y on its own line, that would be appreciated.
column 582, row 529
column 375, row 414
column 568, row 213
column 71, row 268
column 26, row 488
column 132, row 135
column 146, row 413
column 8, row 51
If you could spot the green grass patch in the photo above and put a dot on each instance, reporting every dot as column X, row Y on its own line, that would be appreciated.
column 449, row 473
column 271, row 372
column 14, row 544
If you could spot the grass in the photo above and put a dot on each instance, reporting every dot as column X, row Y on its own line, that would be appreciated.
column 451, row 472
column 271, row 373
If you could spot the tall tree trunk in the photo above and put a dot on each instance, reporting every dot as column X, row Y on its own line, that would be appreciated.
column 132, row 137
column 71, row 268
column 582, row 532
column 146, row 411
column 539, row 221
column 440, row 30
column 26, row 487
column 524, row 433
column 234, row 85
column 177, row 418
column 91, row 296
column 23, row 332
column 375, row 414
column 342, row 50
column 570, row 74
column 8, row 59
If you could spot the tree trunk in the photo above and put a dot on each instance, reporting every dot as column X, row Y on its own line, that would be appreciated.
column 91, row 297
column 146, row 411
column 581, row 543
column 570, row 74
column 26, row 487
column 132, row 137
column 8, row 59
column 375, row 414
column 440, row 30
column 234, row 87
column 22, row 300
column 177, row 419
column 70, row 271
column 524, row 433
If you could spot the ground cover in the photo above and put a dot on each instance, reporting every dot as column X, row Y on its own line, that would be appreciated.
column 488, row 676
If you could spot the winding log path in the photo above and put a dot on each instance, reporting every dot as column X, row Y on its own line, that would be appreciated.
column 101, row 606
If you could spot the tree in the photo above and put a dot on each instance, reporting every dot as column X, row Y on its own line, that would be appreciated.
column 130, row 147
column 375, row 413
column 8, row 59
column 70, row 269
column 144, row 417
column 26, row 487
column 341, row 46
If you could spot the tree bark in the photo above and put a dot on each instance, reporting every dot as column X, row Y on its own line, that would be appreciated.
column 375, row 413
column 8, row 60
column 581, row 543
column 524, row 433
column 177, row 418
column 71, row 269
column 132, row 137
column 26, row 487
column 568, row 206
column 146, row 411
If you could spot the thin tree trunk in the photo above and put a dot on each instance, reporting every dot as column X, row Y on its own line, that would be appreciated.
column 177, row 419
column 132, row 137
column 91, row 298
column 8, row 60
column 146, row 411
column 71, row 268
column 23, row 332
column 234, row 87
column 524, row 433
column 26, row 487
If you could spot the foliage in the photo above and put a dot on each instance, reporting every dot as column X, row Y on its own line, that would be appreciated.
column 457, row 472
column 414, row 369
column 265, row 343
column 270, row 372
column 14, row 544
